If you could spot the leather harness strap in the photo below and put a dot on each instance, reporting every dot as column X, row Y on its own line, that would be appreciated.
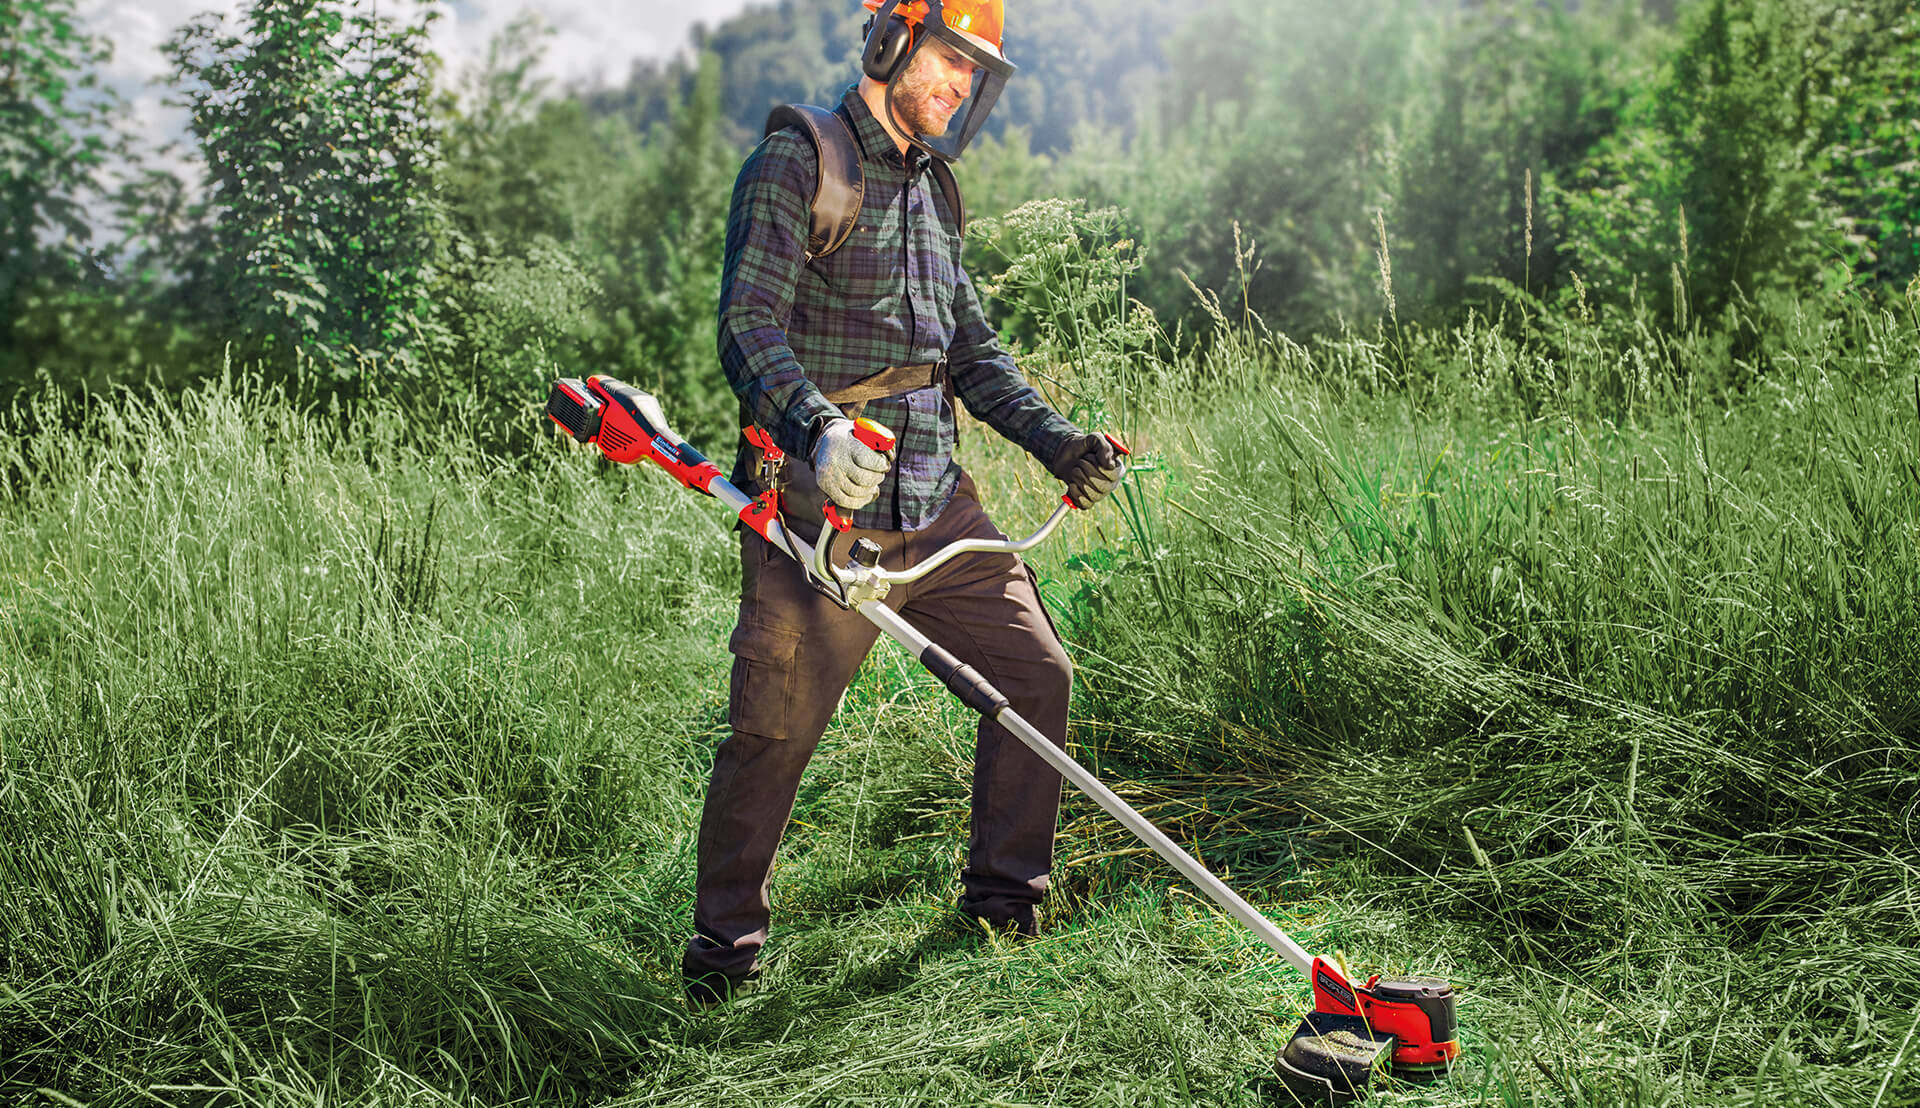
column 840, row 186
column 891, row 381
column 835, row 207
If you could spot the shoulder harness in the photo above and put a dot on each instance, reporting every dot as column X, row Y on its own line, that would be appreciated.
column 842, row 185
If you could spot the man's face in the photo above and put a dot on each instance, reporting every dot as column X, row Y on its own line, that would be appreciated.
column 930, row 91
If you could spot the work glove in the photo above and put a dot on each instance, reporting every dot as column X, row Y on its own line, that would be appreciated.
column 847, row 470
column 1089, row 465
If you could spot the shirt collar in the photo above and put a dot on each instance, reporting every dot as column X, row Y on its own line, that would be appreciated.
column 873, row 138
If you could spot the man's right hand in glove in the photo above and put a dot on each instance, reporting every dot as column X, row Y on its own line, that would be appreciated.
column 1089, row 465
column 847, row 470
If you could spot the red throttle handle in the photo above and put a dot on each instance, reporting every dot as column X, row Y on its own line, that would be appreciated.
column 874, row 437
column 1120, row 451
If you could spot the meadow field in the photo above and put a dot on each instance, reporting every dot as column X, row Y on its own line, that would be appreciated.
column 347, row 762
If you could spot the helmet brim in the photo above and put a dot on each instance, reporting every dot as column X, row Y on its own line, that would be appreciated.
column 977, row 47
column 983, row 54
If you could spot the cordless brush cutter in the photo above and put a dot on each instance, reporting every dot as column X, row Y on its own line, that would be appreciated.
column 1402, row 1024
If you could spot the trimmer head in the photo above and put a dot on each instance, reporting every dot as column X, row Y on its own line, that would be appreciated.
column 1419, row 1013
column 1333, row 1058
column 1405, row 1025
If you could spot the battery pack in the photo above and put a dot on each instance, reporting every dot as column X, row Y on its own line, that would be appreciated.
column 574, row 407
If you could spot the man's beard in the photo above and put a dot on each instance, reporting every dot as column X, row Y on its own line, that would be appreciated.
column 913, row 103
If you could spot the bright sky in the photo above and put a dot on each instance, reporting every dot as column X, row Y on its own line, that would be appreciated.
column 594, row 41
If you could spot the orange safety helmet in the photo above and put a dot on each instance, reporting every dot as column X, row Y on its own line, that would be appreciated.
column 982, row 21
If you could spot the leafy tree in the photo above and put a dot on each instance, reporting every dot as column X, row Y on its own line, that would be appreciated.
column 1509, row 97
column 522, row 180
column 1869, row 156
column 55, row 134
column 1282, row 135
column 1771, row 158
column 321, row 152
column 1738, row 112
column 584, row 245
column 657, row 252
column 1088, row 66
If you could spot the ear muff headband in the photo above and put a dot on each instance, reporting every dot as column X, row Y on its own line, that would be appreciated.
column 889, row 40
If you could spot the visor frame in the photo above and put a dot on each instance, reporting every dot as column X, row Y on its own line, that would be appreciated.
column 991, row 73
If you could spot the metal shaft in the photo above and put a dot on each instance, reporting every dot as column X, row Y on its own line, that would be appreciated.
column 916, row 644
column 902, row 632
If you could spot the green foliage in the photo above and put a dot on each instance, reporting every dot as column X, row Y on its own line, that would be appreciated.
column 1770, row 158
column 583, row 245
column 1089, row 70
column 1736, row 111
column 519, row 184
column 1283, row 115
column 656, row 252
column 1320, row 131
column 1506, row 94
column 56, row 131
column 1869, row 170
column 53, row 122
column 320, row 154
column 1064, row 287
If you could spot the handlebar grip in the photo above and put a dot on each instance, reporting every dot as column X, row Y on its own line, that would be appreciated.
column 874, row 436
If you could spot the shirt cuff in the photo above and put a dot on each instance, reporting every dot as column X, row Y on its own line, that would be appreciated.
column 806, row 415
column 1044, row 440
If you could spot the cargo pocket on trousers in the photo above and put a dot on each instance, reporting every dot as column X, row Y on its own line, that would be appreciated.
column 762, row 686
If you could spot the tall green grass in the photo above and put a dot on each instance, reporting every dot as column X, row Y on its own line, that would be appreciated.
column 1622, row 681
column 314, row 722
column 345, row 763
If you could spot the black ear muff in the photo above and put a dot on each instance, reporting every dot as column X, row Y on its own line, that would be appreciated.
column 888, row 40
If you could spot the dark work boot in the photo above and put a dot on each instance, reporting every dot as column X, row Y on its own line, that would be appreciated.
column 1014, row 920
column 712, row 988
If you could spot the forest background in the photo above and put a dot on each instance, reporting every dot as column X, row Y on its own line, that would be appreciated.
column 358, row 211
column 1520, row 581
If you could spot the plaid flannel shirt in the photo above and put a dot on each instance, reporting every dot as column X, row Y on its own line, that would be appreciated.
column 893, row 294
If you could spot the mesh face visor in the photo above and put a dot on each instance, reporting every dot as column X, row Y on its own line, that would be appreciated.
column 945, row 64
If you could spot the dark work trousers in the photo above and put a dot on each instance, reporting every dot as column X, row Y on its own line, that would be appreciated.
column 795, row 652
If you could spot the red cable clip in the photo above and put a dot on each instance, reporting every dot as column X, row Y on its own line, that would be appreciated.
column 764, row 441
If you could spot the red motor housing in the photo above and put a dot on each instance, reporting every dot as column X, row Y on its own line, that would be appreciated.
column 1419, row 1013
column 627, row 425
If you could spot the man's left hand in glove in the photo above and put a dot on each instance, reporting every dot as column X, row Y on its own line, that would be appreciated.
column 1089, row 465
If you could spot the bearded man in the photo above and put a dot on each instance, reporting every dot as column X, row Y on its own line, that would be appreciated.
column 887, row 323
